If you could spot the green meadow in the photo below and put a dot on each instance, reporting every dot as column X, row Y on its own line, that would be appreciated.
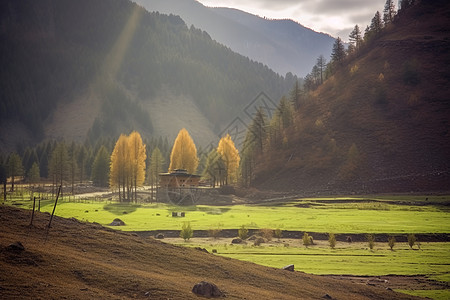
column 311, row 215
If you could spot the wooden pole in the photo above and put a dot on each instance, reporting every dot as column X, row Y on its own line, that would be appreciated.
column 54, row 207
column 32, row 213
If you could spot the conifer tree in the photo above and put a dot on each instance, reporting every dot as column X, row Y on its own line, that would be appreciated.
column 376, row 24
column 230, row 157
column 59, row 164
column 389, row 12
column 34, row 173
column 100, row 168
column 214, row 168
column 156, row 167
column 338, row 51
column 355, row 38
column 15, row 168
column 321, row 64
column 184, row 153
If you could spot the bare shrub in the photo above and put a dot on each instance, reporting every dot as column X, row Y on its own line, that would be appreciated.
column 371, row 241
column 306, row 239
column 278, row 233
column 391, row 242
column 332, row 240
column 214, row 233
column 411, row 240
column 243, row 232
column 266, row 233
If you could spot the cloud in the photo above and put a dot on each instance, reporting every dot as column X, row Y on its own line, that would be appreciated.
column 330, row 16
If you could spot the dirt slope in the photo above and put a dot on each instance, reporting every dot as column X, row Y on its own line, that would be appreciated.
column 79, row 261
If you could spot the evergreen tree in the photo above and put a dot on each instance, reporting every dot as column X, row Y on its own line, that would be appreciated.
column 184, row 153
column 73, row 166
column 258, row 129
column 376, row 24
column 100, row 168
column 81, row 161
column 321, row 64
column 156, row 167
column 355, row 38
column 3, row 176
column 214, row 168
column 59, row 164
column 389, row 12
column 295, row 95
column 33, row 174
column 338, row 51
column 15, row 168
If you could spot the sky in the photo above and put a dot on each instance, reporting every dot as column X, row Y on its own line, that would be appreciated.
column 335, row 17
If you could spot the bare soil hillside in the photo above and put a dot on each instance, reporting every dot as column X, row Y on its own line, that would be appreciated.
column 83, row 260
column 380, row 123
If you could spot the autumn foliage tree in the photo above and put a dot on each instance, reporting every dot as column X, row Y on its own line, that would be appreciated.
column 137, row 160
column 127, row 168
column 184, row 153
column 230, row 157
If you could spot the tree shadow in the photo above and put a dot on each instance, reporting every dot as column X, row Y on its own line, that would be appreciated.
column 121, row 208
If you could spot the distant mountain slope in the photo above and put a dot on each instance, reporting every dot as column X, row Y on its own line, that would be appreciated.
column 284, row 45
column 381, row 123
column 71, row 69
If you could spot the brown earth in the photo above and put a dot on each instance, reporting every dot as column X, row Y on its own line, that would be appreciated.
column 78, row 260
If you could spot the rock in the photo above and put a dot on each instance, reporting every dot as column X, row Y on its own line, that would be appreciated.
column 15, row 247
column 160, row 236
column 252, row 238
column 326, row 296
column 259, row 241
column 237, row 241
column 289, row 268
column 117, row 222
column 207, row 289
column 214, row 250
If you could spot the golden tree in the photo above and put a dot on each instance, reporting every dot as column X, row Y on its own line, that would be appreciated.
column 184, row 153
column 137, row 160
column 119, row 170
column 230, row 157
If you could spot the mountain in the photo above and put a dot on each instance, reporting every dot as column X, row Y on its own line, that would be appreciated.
column 82, row 260
column 381, row 122
column 284, row 45
column 104, row 67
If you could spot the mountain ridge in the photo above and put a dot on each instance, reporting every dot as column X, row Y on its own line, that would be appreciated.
column 248, row 34
column 120, row 57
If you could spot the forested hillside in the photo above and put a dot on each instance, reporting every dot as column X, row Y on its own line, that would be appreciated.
column 99, row 67
column 284, row 45
column 378, row 123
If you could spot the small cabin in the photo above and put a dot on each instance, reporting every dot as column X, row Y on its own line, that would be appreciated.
column 178, row 178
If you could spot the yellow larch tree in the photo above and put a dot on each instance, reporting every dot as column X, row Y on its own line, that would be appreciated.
column 119, row 166
column 230, row 157
column 127, row 167
column 137, row 161
column 184, row 153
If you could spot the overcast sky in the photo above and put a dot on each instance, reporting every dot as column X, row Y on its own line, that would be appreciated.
column 335, row 17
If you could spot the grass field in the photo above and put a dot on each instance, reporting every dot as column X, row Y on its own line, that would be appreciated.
column 376, row 214
column 345, row 259
column 303, row 215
